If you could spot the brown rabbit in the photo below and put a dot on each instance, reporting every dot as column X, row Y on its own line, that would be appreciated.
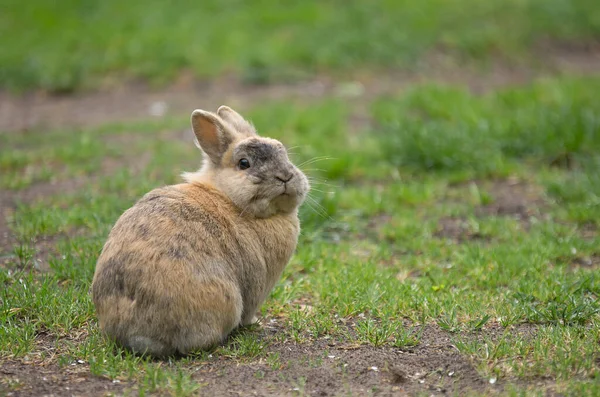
column 189, row 263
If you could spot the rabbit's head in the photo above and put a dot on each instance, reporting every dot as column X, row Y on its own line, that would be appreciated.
column 254, row 172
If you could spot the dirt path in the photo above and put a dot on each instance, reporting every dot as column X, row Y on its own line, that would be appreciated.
column 137, row 101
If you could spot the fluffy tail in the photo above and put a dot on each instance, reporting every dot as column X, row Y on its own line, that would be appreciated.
column 117, row 321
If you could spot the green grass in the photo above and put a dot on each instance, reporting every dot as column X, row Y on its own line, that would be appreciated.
column 549, row 123
column 74, row 44
column 371, row 267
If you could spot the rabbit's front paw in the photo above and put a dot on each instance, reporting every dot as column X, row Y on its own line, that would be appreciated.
column 252, row 320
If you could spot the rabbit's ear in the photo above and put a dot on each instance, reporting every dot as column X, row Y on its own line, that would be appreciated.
column 213, row 137
column 236, row 120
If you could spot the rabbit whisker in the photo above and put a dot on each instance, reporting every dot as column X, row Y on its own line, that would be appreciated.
column 244, row 210
column 314, row 160
column 319, row 190
column 315, row 210
column 321, row 182
column 323, row 211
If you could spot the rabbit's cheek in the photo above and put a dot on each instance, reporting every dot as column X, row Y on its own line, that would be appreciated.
column 286, row 203
column 262, row 208
column 255, row 180
column 298, row 190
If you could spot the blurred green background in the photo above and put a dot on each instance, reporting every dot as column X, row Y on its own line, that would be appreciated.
column 65, row 45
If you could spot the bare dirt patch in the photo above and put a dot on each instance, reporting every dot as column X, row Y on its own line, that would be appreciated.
column 320, row 368
column 589, row 231
column 589, row 262
column 324, row 367
column 457, row 229
column 20, row 379
column 513, row 198
column 582, row 56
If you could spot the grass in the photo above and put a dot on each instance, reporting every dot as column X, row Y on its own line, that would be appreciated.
column 69, row 47
column 371, row 266
column 484, row 134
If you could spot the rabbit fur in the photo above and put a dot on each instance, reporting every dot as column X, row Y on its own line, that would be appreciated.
column 189, row 263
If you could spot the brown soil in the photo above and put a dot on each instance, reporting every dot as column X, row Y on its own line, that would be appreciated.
column 590, row 262
column 19, row 379
column 457, row 229
column 321, row 368
column 589, row 231
column 513, row 198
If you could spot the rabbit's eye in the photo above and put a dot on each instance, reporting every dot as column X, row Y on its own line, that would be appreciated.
column 244, row 164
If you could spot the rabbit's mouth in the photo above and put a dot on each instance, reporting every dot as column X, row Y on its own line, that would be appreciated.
column 288, row 190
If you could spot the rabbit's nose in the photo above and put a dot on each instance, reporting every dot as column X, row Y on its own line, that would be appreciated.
column 284, row 178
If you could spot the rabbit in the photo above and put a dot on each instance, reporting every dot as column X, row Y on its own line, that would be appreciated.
column 189, row 263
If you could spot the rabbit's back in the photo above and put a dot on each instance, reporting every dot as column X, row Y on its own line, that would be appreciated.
column 182, row 268
column 165, row 281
